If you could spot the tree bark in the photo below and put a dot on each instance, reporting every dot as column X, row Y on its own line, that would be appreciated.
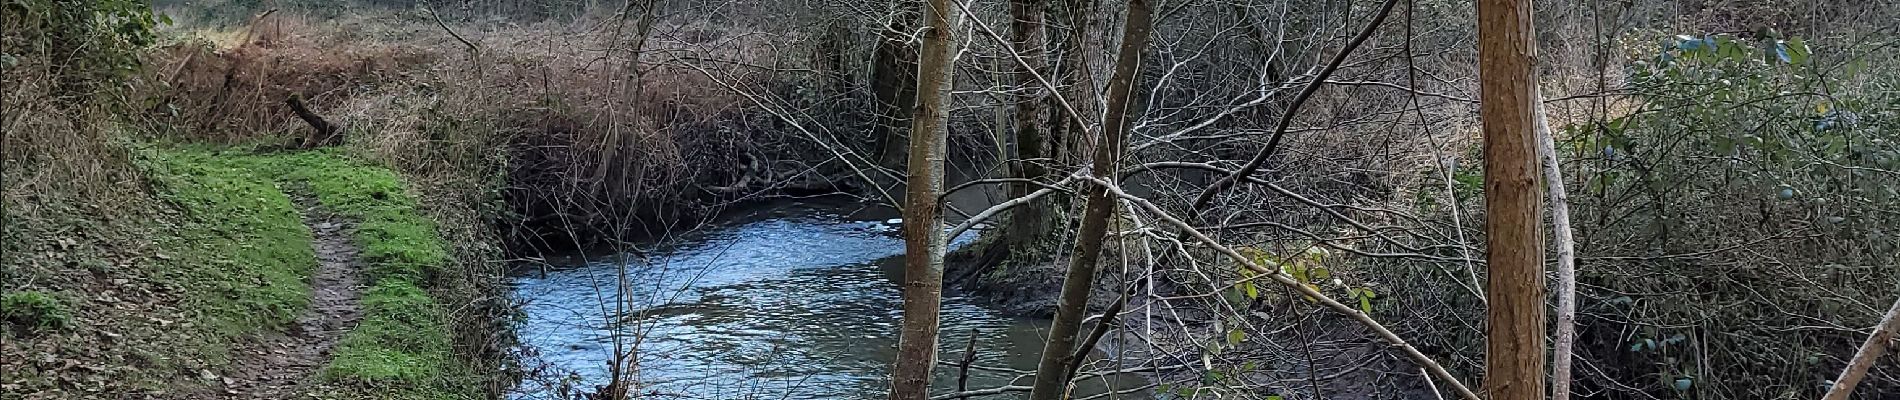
column 1562, row 351
column 1031, row 225
column 324, row 133
column 1514, row 345
column 1052, row 376
column 1078, row 80
column 1869, row 352
column 923, row 221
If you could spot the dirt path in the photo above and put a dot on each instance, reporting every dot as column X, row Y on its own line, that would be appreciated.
column 278, row 365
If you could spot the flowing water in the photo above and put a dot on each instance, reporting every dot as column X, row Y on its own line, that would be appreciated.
column 786, row 302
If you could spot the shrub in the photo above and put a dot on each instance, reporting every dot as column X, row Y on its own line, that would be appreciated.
column 33, row 311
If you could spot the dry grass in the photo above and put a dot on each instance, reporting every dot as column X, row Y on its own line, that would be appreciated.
column 576, row 123
column 57, row 150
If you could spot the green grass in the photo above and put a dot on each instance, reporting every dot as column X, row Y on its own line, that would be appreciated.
column 241, row 248
column 402, row 347
column 34, row 311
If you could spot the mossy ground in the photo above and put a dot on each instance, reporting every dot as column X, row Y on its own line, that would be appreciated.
column 216, row 252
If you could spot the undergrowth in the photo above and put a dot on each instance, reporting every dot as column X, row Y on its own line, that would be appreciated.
column 33, row 311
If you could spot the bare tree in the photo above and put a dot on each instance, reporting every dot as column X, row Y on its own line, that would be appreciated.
column 1052, row 376
column 1566, row 242
column 1514, row 351
column 923, row 221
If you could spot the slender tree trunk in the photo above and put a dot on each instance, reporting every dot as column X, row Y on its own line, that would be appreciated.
column 1566, row 242
column 1030, row 225
column 1051, row 374
column 1514, row 345
column 894, row 86
column 1869, row 352
column 923, row 223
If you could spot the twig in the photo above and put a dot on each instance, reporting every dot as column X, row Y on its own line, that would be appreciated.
column 1102, row 327
column 1283, row 279
column 1286, row 118
column 969, row 357
column 972, row 221
column 445, row 28
column 474, row 52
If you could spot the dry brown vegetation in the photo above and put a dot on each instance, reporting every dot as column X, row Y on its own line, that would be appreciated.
column 587, row 127
column 605, row 123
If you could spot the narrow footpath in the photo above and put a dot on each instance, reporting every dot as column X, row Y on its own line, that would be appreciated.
column 281, row 365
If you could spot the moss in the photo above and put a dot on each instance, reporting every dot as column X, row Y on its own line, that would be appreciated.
column 33, row 311
column 396, row 240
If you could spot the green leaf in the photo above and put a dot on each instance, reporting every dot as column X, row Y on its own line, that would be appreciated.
column 1235, row 336
column 1798, row 51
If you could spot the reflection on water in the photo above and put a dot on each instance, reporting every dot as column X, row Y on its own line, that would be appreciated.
column 801, row 304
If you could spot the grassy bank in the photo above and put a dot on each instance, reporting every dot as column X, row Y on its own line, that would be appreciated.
column 402, row 347
column 210, row 254
column 217, row 252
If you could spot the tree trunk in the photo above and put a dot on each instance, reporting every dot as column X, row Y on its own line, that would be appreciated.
column 1031, row 226
column 894, row 87
column 923, row 223
column 1051, row 374
column 1078, row 80
column 1563, row 350
column 1514, row 345
column 1869, row 352
column 829, row 55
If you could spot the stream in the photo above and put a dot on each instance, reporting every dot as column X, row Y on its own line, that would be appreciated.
column 793, row 301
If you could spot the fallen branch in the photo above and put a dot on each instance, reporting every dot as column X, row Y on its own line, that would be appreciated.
column 969, row 357
column 326, row 133
column 1102, row 326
